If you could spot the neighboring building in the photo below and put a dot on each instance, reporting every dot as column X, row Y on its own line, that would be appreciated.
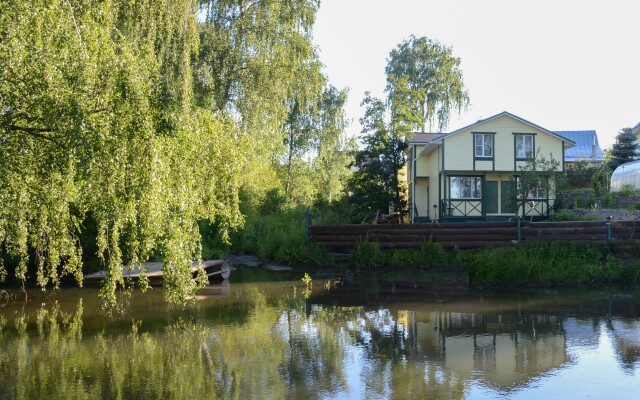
column 636, row 130
column 472, row 173
column 587, row 147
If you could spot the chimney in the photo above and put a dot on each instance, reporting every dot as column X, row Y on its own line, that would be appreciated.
column 593, row 148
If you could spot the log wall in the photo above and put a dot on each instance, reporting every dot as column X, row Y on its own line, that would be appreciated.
column 470, row 235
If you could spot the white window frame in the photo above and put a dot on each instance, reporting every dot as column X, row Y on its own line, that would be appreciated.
column 524, row 150
column 483, row 145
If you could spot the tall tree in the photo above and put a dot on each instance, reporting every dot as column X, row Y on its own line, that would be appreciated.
column 624, row 150
column 424, row 84
column 97, row 117
column 334, row 148
column 433, row 84
column 375, row 185
column 300, row 133
column 255, row 61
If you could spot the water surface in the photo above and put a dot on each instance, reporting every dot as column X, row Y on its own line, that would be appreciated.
column 284, row 340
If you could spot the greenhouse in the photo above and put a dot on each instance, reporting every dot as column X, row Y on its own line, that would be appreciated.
column 626, row 174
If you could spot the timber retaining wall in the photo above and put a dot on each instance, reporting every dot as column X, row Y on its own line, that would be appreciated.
column 471, row 235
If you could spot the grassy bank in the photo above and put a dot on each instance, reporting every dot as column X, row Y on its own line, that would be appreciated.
column 280, row 235
column 542, row 263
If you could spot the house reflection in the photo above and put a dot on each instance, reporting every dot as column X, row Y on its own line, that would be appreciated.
column 503, row 342
column 626, row 342
column 504, row 352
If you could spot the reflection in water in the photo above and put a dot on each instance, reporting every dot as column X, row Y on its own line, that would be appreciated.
column 268, row 341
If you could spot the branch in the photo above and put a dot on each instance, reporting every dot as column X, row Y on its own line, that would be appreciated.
column 36, row 132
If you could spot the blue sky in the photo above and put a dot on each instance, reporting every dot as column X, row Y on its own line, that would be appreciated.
column 563, row 64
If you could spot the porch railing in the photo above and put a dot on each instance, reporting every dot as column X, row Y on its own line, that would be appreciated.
column 462, row 208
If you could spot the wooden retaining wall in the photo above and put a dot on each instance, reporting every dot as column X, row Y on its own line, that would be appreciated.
column 470, row 235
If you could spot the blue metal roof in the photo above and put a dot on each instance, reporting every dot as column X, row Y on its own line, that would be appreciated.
column 583, row 150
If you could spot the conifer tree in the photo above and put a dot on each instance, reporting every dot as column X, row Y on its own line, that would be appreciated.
column 624, row 150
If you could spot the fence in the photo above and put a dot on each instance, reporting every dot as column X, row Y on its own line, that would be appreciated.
column 472, row 235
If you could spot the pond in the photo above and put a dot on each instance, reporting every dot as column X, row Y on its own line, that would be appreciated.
column 288, row 341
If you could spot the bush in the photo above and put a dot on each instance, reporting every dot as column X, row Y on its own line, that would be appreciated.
column 366, row 255
column 626, row 190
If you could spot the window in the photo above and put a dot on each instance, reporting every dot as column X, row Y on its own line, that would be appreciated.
column 483, row 144
column 537, row 190
column 465, row 187
column 524, row 146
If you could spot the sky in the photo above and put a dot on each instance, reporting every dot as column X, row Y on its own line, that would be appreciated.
column 561, row 64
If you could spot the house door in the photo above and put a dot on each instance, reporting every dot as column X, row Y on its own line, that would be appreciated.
column 491, row 197
column 508, row 194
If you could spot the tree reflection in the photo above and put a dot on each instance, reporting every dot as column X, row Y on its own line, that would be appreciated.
column 281, row 346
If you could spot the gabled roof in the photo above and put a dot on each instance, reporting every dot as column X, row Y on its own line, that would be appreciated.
column 433, row 140
column 508, row 114
column 424, row 137
column 586, row 142
column 636, row 129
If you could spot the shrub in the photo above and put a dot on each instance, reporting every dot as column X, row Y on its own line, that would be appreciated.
column 366, row 255
column 626, row 190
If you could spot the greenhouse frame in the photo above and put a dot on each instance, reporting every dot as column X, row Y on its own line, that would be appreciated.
column 626, row 174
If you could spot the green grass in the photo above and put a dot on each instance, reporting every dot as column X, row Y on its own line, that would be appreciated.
column 542, row 263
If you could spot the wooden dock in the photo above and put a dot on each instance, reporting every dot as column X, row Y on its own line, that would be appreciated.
column 215, row 270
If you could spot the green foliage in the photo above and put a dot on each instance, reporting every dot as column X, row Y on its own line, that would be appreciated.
column 98, row 117
column 429, row 255
column 550, row 262
column 539, row 178
column 608, row 200
column 280, row 237
column 425, row 83
column 583, row 174
column 566, row 215
column 626, row 190
column 128, row 129
column 624, row 150
column 375, row 186
column 366, row 255
column 257, row 61
column 524, row 264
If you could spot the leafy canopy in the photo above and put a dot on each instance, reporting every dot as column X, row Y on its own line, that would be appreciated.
column 426, row 78
column 97, row 117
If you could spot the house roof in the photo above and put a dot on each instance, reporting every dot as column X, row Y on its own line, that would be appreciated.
column 522, row 120
column 433, row 140
column 636, row 129
column 424, row 137
column 586, row 142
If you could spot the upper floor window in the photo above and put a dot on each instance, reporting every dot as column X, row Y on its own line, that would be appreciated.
column 524, row 146
column 483, row 144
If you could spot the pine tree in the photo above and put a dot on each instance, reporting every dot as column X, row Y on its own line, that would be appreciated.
column 624, row 150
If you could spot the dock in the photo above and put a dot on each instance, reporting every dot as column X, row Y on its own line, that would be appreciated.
column 215, row 270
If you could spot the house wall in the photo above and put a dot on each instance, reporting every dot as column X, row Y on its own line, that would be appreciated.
column 426, row 183
column 432, row 175
column 421, row 196
column 423, row 165
column 459, row 152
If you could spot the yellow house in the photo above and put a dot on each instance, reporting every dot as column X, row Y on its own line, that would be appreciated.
column 472, row 173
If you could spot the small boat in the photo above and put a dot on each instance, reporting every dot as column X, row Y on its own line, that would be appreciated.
column 216, row 270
